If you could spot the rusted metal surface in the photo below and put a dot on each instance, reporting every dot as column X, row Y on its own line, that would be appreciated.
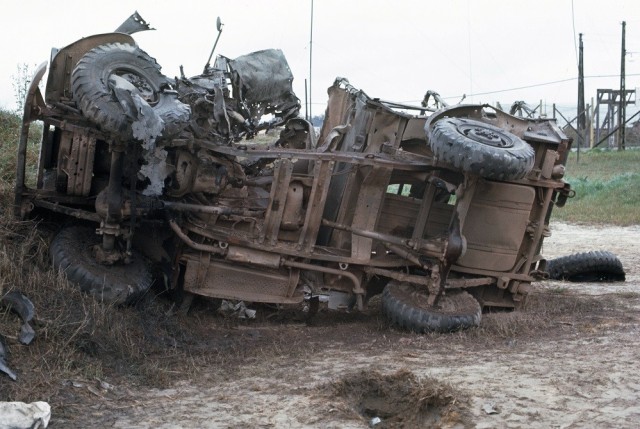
column 64, row 60
column 32, row 102
column 369, row 196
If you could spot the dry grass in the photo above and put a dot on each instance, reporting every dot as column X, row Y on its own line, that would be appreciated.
column 80, row 339
column 81, row 342
column 77, row 338
column 545, row 310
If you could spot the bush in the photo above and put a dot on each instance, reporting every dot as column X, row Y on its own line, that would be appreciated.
column 10, row 124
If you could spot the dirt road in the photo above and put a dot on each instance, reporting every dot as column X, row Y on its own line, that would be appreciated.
column 570, row 358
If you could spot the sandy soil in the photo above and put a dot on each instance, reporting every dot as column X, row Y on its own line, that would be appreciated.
column 568, row 360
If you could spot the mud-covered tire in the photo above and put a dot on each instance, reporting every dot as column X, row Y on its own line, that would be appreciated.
column 596, row 266
column 406, row 305
column 116, row 284
column 92, row 93
column 481, row 149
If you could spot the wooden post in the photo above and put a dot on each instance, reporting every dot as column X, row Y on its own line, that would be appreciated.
column 581, row 113
column 623, row 96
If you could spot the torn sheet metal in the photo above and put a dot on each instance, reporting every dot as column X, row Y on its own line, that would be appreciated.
column 146, row 125
column 155, row 169
column 22, row 305
column 264, row 82
column 133, row 24
column 3, row 363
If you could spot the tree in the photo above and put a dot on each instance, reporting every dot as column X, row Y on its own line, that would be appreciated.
column 21, row 81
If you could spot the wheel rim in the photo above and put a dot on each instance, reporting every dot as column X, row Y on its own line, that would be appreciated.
column 486, row 135
column 144, row 87
column 406, row 305
column 419, row 298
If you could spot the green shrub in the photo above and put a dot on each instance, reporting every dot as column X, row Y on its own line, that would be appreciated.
column 10, row 125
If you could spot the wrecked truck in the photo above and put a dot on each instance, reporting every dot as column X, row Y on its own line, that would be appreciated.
column 160, row 180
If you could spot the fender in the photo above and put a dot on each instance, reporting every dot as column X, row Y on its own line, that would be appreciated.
column 63, row 62
column 33, row 103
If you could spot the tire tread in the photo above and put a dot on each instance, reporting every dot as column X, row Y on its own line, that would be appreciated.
column 68, row 256
column 461, row 152
column 421, row 320
column 595, row 265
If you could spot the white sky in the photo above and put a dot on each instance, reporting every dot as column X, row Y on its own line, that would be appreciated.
column 395, row 50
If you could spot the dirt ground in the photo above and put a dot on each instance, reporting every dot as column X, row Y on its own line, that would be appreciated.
column 568, row 358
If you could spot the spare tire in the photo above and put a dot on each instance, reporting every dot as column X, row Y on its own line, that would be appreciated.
column 406, row 305
column 71, row 253
column 596, row 266
column 481, row 149
column 92, row 93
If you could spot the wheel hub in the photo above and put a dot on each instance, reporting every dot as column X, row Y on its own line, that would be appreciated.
column 142, row 85
column 485, row 135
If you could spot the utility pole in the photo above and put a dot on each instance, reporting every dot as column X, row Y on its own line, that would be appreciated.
column 581, row 112
column 592, row 135
column 623, row 96
column 310, row 59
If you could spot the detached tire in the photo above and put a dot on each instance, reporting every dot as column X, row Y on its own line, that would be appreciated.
column 92, row 93
column 596, row 266
column 406, row 305
column 116, row 284
column 481, row 149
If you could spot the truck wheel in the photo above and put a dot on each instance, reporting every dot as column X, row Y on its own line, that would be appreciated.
column 481, row 149
column 406, row 305
column 71, row 252
column 91, row 90
column 596, row 266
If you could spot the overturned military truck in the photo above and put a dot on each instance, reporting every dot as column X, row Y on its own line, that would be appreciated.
column 159, row 180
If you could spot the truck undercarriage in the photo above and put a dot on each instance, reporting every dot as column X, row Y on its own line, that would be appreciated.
column 161, row 180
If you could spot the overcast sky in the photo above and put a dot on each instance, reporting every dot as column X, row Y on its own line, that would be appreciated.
column 395, row 50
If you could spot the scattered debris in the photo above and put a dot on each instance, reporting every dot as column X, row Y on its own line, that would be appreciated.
column 490, row 408
column 19, row 415
column 239, row 310
column 98, row 388
column 104, row 385
column 22, row 305
column 3, row 364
